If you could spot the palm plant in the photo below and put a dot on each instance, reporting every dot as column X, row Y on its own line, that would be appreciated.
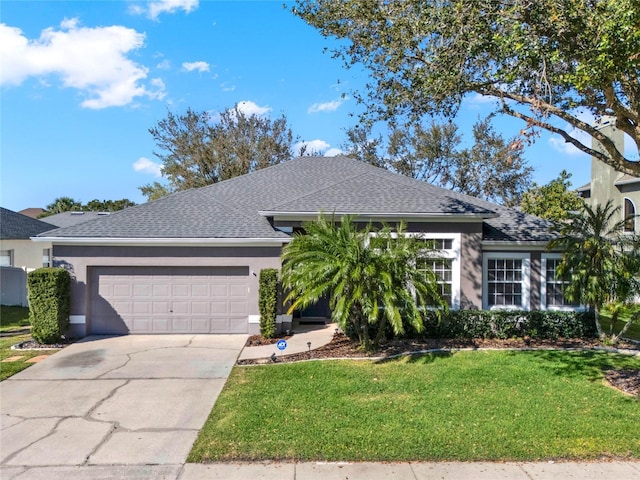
column 599, row 262
column 367, row 283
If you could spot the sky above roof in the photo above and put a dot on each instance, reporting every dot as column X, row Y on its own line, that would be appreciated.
column 83, row 81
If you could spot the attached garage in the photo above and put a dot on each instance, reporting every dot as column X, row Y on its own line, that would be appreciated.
column 146, row 300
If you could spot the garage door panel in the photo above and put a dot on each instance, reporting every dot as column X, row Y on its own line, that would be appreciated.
column 141, row 325
column 160, row 290
column 169, row 300
column 237, row 308
column 200, row 290
column 142, row 290
column 160, row 307
column 200, row 308
column 141, row 307
column 200, row 325
column 180, row 325
column 178, row 308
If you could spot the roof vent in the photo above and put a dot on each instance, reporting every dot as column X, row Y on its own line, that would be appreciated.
column 77, row 213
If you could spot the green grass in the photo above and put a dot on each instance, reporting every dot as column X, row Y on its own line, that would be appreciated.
column 465, row 406
column 8, row 369
column 12, row 318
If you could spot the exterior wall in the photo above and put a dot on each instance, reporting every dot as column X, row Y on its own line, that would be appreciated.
column 79, row 259
column 27, row 254
column 470, row 253
column 604, row 177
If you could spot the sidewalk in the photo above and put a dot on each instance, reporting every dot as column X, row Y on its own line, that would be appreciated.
column 414, row 471
column 318, row 335
column 337, row 471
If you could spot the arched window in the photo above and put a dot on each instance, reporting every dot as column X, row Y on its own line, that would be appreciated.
column 629, row 216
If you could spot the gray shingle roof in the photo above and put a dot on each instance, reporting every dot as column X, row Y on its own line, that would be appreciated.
column 230, row 209
column 15, row 226
column 67, row 219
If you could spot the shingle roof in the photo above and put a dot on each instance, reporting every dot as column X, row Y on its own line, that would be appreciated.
column 15, row 226
column 231, row 209
column 67, row 219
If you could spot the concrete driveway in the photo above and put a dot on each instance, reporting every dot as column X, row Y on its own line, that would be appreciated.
column 127, row 403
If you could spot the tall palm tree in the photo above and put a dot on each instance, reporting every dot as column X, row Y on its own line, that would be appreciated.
column 63, row 204
column 367, row 282
column 599, row 262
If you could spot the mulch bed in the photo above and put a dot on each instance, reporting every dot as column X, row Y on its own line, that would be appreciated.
column 342, row 347
column 33, row 345
column 258, row 340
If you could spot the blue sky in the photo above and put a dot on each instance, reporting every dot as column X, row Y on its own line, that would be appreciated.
column 83, row 81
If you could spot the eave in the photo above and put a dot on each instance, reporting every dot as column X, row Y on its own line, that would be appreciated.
column 201, row 242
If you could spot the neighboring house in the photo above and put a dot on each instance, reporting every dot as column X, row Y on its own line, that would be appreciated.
column 608, row 184
column 67, row 219
column 190, row 262
column 18, row 254
column 32, row 212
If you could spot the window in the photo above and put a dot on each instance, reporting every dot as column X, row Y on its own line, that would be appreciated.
column 442, row 256
column 506, row 281
column 552, row 287
column 629, row 216
column 46, row 257
column 6, row 258
column 443, row 270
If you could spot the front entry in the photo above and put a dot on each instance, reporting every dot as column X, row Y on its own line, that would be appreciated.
column 318, row 310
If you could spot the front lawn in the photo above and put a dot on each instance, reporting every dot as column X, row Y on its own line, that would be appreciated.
column 13, row 318
column 634, row 330
column 11, row 368
column 485, row 405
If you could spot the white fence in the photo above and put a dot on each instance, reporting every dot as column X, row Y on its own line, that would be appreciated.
column 13, row 286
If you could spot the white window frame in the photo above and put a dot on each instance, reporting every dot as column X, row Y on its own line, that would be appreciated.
column 9, row 253
column 46, row 253
column 526, row 279
column 543, row 287
column 633, row 217
column 452, row 254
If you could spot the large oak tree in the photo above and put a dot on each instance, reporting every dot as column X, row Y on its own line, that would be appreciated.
column 492, row 168
column 198, row 149
column 544, row 60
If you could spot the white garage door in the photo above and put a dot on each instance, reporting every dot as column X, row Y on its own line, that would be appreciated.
column 168, row 300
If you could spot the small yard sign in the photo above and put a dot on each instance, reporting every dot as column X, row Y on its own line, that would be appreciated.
column 282, row 344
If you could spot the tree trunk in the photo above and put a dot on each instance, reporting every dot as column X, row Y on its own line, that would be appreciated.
column 596, row 314
column 381, row 326
column 616, row 338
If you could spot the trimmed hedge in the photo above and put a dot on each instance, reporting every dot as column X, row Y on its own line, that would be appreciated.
column 49, row 295
column 268, row 301
column 470, row 324
column 549, row 324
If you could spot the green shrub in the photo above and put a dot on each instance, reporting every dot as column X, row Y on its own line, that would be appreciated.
column 502, row 324
column 48, row 291
column 268, row 301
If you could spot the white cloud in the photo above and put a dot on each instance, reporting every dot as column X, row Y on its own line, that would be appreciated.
column 156, row 7
column 250, row 108
column 164, row 65
column 558, row 143
column 325, row 107
column 199, row 66
column 145, row 165
column 333, row 152
column 478, row 99
column 227, row 87
column 91, row 60
column 313, row 147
